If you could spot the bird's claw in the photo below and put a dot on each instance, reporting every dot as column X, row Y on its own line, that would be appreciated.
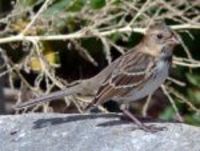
column 152, row 128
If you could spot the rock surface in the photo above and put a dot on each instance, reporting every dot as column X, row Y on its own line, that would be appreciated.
column 100, row 132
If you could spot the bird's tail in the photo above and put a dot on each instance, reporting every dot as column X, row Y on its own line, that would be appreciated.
column 88, row 86
column 53, row 96
column 42, row 99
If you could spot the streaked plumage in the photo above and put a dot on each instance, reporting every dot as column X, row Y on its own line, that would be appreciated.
column 140, row 71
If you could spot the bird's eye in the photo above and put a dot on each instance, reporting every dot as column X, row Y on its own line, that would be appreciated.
column 159, row 36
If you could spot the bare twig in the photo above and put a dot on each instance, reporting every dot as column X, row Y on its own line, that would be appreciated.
column 172, row 103
column 177, row 82
column 44, row 6
column 146, row 106
column 82, row 34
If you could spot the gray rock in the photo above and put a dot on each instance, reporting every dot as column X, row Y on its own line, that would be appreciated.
column 99, row 132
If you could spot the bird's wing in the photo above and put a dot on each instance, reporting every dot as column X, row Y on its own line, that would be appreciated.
column 132, row 71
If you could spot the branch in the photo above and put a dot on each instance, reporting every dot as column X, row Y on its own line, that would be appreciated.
column 44, row 6
column 85, row 34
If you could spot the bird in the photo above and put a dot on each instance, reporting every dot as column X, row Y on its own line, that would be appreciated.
column 142, row 70
column 139, row 72
column 131, row 77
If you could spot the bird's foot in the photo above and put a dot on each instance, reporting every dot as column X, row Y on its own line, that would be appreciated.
column 151, row 128
column 140, row 124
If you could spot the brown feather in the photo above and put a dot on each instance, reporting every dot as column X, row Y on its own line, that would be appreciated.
column 131, row 72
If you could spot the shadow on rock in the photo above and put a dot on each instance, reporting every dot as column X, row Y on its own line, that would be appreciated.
column 41, row 123
column 115, row 119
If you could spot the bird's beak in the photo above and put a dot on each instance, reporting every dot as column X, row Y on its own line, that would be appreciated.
column 174, row 39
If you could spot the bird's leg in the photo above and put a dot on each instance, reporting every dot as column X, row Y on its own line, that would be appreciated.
column 124, row 109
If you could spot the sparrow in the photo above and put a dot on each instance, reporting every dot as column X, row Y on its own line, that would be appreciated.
column 139, row 72
column 132, row 76
column 142, row 70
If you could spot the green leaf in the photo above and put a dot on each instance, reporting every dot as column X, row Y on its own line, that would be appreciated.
column 167, row 114
column 193, row 119
column 194, row 95
column 77, row 5
column 57, row 7
column 194, row 79
column 97, row 4
column 115, row 37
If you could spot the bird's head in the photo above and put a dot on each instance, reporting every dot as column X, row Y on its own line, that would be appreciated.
column 158, row 37
column 159, row 34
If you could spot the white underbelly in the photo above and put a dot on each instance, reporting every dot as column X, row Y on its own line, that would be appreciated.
column 150, row 86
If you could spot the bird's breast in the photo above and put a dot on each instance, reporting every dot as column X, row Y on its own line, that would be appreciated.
column 162, row 71
column 158, row 78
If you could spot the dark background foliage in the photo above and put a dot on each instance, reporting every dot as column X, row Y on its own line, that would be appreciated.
column 98, row 32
